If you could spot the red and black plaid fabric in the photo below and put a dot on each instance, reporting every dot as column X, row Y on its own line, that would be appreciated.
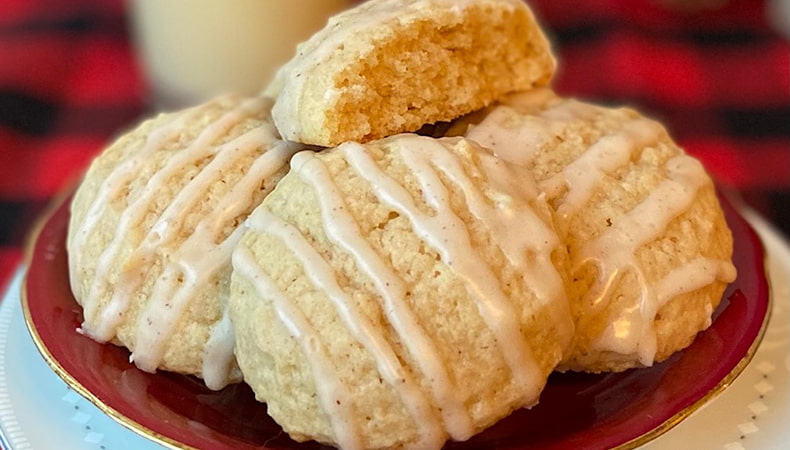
column 720, row 80
column 68, row 81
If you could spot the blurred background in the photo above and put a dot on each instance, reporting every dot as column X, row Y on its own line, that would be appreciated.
column 74, row 74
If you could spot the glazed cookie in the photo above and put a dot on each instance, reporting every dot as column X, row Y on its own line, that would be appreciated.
column 649, row 247
column 399, row 293
column 391, row 66
column 152, row 227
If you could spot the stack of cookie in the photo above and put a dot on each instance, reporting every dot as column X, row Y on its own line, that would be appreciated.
column 380, row 288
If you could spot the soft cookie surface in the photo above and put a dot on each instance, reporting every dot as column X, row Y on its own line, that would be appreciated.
column 399, row 293
column 649, row 247
column 152, row 227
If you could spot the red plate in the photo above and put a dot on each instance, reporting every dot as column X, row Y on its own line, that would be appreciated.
column 575, row 411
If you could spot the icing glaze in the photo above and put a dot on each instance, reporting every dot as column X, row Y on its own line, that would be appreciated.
column 527, row 125
column 343, row 231
column 449, row 236
column 188, row 265
column 614, row 252
column 435, row 408
column 366, row 332
column 332, row 392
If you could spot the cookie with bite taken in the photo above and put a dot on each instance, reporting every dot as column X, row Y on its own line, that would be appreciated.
column 392, row 66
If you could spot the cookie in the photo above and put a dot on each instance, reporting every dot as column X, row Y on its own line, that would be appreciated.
column 649, row 246
column 399, row 293
column 391, row 66
column 152, row 227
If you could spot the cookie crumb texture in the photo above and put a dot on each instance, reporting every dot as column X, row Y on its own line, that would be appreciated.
column 398, row 293
column 650, row 249
column 387, row 67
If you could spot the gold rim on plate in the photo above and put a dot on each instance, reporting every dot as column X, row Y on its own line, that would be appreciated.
column 158, row 438
column 53, row 363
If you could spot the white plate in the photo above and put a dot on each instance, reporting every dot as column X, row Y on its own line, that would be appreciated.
column 39, row 411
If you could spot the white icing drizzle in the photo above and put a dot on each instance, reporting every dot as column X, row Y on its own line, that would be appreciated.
column 506, row 225
column 333, row 395
column 343, row 231
column 692, row 276
column 527, row 123
column 218, row 354
column 361, row 328
column 611, row 152
column 614, row 250
column 449, row 236
column 200, row 258
column 165, row 230
column 114, row 184
column 101, row 324
column 648, row 219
